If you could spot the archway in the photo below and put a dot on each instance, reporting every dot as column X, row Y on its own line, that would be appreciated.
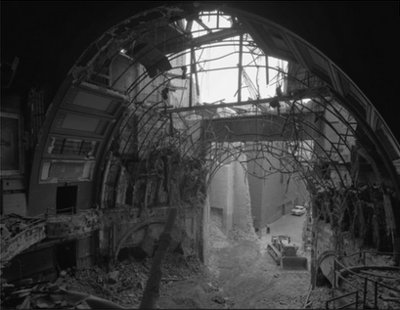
column 91, row 154
column 115, row 109
column 92, row 99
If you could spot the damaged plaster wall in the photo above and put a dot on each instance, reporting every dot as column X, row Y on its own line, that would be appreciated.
column 324, row 242
column 134, row 196
column 242, row 217
column 221, row 195
column 229, row 191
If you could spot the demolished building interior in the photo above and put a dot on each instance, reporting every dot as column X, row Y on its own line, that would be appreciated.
column 185, row 119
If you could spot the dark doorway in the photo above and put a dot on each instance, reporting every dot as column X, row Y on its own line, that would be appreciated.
column 65, row 255
column 66, row 199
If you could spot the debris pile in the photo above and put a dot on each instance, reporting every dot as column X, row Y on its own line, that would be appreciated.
column 217, row 238
column 123, row 284
column 125, row 281
column 30, row 295
column 119, row 285
column 238, row 234
column 318, row 297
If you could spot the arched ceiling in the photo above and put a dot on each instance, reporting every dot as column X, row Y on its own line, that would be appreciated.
column 99, row 123
column 353, row 35
column 96, row 136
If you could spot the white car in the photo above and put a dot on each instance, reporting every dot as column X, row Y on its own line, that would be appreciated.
column 298, row 210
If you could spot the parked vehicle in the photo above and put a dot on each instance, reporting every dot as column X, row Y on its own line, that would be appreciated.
column 298, row 210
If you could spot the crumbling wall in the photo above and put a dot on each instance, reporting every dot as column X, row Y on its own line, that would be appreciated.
column 324, row 238
column 221, row 196
column 229, row 191
column 162, row 180
column 242, row 221
column 131, row 232
column 349, row 220
column 325, row 241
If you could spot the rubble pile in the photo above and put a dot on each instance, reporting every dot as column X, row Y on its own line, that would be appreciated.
column 178, row 267
column 238, row 234
column 217, row 238
column 121, row 283
column 318, row 297
column 125, row 281
column 42, row 296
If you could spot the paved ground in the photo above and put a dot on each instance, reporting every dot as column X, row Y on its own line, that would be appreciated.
column 243, row 275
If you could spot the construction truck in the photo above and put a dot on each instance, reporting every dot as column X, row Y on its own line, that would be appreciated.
column 284, row 252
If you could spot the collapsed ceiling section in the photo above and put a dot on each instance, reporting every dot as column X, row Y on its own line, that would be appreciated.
column 209, row 83
column 168, row 54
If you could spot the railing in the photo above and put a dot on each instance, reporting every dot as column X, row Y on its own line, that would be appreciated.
column 47, row 226
column 362, row 255
column 66, row 225
column 346, row 306
column 339, row 268
column 33, row 233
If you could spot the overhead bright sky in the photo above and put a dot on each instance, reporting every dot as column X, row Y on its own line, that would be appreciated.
column 223, row 84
